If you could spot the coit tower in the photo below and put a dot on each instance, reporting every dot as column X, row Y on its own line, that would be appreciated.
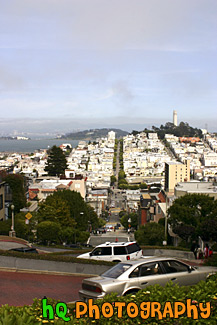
column 175, row 118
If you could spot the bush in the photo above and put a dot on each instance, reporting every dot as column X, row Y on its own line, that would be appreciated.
column 150, row 234
column 5, row 227
column 58, row 257
column 48, row 231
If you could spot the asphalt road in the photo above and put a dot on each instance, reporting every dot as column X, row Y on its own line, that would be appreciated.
column 18, row 289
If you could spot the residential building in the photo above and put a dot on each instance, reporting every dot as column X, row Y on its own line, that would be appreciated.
column 46, row 187
column 195, row 187
column 176, row 172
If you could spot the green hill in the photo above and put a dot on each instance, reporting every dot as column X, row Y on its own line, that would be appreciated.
column 93, row 134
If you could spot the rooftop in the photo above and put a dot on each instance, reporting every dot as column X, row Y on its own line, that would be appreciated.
column 198, row 187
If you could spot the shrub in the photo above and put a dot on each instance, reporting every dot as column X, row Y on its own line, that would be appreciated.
column 48, row 231
column 150, row 234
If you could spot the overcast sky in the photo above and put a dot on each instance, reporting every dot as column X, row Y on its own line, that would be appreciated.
column 107, row 62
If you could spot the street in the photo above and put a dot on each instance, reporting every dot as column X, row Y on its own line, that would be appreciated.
column 18, row 289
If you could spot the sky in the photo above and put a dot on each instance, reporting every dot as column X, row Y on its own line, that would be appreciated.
column 75, row 64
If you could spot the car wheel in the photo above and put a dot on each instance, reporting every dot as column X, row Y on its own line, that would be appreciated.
column 131, row 292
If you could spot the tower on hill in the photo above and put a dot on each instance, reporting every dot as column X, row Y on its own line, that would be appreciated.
column 175, row 118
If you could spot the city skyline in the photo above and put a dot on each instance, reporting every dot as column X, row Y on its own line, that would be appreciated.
column 82, row 64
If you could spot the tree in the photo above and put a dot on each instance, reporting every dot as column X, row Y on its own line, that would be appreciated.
column 16, row 184
column 121, row 175
column 48, row 231
column 56, row 209
column 150, row 234
column 190, row 213
column 208, row 229
column 56, row 162
column 113, row 179
column 5, row 227
column 134, row 220
column 143, row 186
column 68, row 208
column 67, row 235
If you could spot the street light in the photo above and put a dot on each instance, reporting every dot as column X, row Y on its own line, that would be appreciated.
column 166, row 226
column 12, row 233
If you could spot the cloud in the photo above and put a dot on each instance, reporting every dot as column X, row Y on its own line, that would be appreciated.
column 90, row 58
column 122, row 91
column 114, row 24
column 9, row 79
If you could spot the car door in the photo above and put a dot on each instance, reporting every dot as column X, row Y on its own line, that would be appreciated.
column 180, row 273
column 102, row 253
column 151, row 273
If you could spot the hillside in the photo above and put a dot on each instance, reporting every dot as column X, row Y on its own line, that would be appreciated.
column 93, row 134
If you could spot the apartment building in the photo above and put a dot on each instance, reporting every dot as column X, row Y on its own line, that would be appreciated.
column 176, row 172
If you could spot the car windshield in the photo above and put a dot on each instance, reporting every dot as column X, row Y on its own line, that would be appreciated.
column 117, row 270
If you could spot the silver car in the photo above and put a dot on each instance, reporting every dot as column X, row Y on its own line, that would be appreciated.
column 129, row 277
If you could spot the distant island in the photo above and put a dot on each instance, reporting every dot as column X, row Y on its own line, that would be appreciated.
column 93, row 134
column 14, row 138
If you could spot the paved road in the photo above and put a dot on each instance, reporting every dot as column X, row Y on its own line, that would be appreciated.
column 18, row 289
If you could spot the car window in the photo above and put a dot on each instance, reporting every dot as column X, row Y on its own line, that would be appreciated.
column 117, row 270
column 102, row 251
column 132, row 248
column 120, row 250
column 150, row 269
column 96, row 251
column 175, row 266
column 135, row 273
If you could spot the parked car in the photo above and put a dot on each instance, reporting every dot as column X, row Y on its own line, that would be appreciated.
column 102, row 230
column 25, row 249
column 77, row 245
column 108, row 227
column 130, row 277
column 115, row 252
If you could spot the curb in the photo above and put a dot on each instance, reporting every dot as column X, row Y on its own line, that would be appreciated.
column 6, row 269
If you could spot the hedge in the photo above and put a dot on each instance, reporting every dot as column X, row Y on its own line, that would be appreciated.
column 54, row 257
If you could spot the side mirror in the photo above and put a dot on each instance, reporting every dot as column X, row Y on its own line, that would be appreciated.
column 91, row 254
column 190, row 269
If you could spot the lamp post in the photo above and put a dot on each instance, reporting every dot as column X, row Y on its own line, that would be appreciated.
column 166, row 226
column 12, row 233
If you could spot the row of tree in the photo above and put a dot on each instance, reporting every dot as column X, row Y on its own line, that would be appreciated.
column 191, row 216
column 182, row 130
column 63, row 217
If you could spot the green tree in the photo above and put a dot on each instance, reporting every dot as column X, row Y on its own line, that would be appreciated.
column 208, row 229
column 67, row 235
column 113, row 179
column 68, row 208
column 55, row 208
column 122, row 181
column 5, row 227
column 150, row 234
column 56, row 162
column 48, row 231
column 190, row 213
column 94, row 221
column 16, row 184
column 143, row 186
column 134, row 220
column 121, row 174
